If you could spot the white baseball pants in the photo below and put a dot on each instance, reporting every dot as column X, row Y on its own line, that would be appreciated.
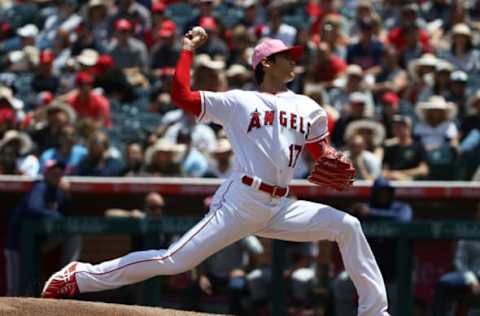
column 237, row 211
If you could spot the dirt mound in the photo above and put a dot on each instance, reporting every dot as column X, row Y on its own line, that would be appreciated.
column 22, row 306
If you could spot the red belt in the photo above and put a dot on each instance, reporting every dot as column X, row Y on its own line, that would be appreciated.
column 273, row 190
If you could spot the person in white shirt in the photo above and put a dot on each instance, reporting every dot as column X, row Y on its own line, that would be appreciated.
column 436, row 126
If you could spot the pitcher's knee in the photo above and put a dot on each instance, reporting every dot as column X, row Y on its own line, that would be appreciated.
column 177, row 268
column 351, row 224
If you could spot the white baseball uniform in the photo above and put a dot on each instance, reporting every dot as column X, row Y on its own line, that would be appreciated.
column 267, row 133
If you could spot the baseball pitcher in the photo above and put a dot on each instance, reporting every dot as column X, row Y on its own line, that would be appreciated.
column 268, row 129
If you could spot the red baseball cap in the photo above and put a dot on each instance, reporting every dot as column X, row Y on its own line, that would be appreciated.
column 104, row 63
column 168, row 28
column 44, row 98
column 46, row 57
column 158, row 7
column 123, row 25
column 274, row 46
column 7, row 114
column 84, row 77
column 391, row 98
column 208, row 23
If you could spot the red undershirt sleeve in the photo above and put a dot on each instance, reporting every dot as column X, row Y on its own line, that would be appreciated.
column 316, row 149
column 182, row 95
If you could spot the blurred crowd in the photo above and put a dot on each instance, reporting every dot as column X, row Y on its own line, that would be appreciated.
column 87, row 82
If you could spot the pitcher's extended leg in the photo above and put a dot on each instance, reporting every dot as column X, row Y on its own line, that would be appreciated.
column 215, row 231
column 308, row 221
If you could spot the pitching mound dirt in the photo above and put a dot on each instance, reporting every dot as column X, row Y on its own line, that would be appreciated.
column 20, row 306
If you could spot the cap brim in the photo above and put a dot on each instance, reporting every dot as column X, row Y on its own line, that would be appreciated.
column 296, row 52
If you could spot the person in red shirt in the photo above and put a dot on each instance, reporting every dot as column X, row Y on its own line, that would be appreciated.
column 408, row 23
column 89, row 104
column 327, row 66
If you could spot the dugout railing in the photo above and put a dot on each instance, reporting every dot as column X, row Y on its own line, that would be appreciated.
column 402, row 233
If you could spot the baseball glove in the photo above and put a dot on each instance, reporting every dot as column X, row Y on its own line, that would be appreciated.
column 333, row 170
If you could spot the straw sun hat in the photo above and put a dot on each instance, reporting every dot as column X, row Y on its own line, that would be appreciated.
column 378, row 131
column 26, row 144
column 436, row 103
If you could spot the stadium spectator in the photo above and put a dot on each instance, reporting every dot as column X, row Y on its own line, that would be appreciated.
column 439, row 136
column 112, row 80
column 44, row 78
column 166, row 50
column 239, row 77
column 276, row 28
column 205, row 9
column 458, row 92
column 153, row 207
column 86, row 39
column 383, row 205
column 221, row 160
column 63, row 20
column 318, row 11
column 389, row 107
column 436, row 127
column 225, row 272
column 356, row 111
column 408, row 34
column 441, row 81
column 45, row 132
column 132, row 11
column 461, row 52
column 158, row 10
column 354, row 82
column 68, row 150
column 63, row 56
column 97, row 19
column 216, row 47
column 436, row 10
column 327, row 66
column 368, row 51
column 48, row 198
column 367, row 166
column 391, row 77
column 86, row 59
column 241, row 42
column 251, row 15
column 163, row 158
column 16, row 155
column 89, row 104
column 99, row 161
column 332, row 33
column 404, row 158
column 372, row 132
column 23, row 54
column 134, row 157
column 420, row 71
column 127, row 51
column 194, row 163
